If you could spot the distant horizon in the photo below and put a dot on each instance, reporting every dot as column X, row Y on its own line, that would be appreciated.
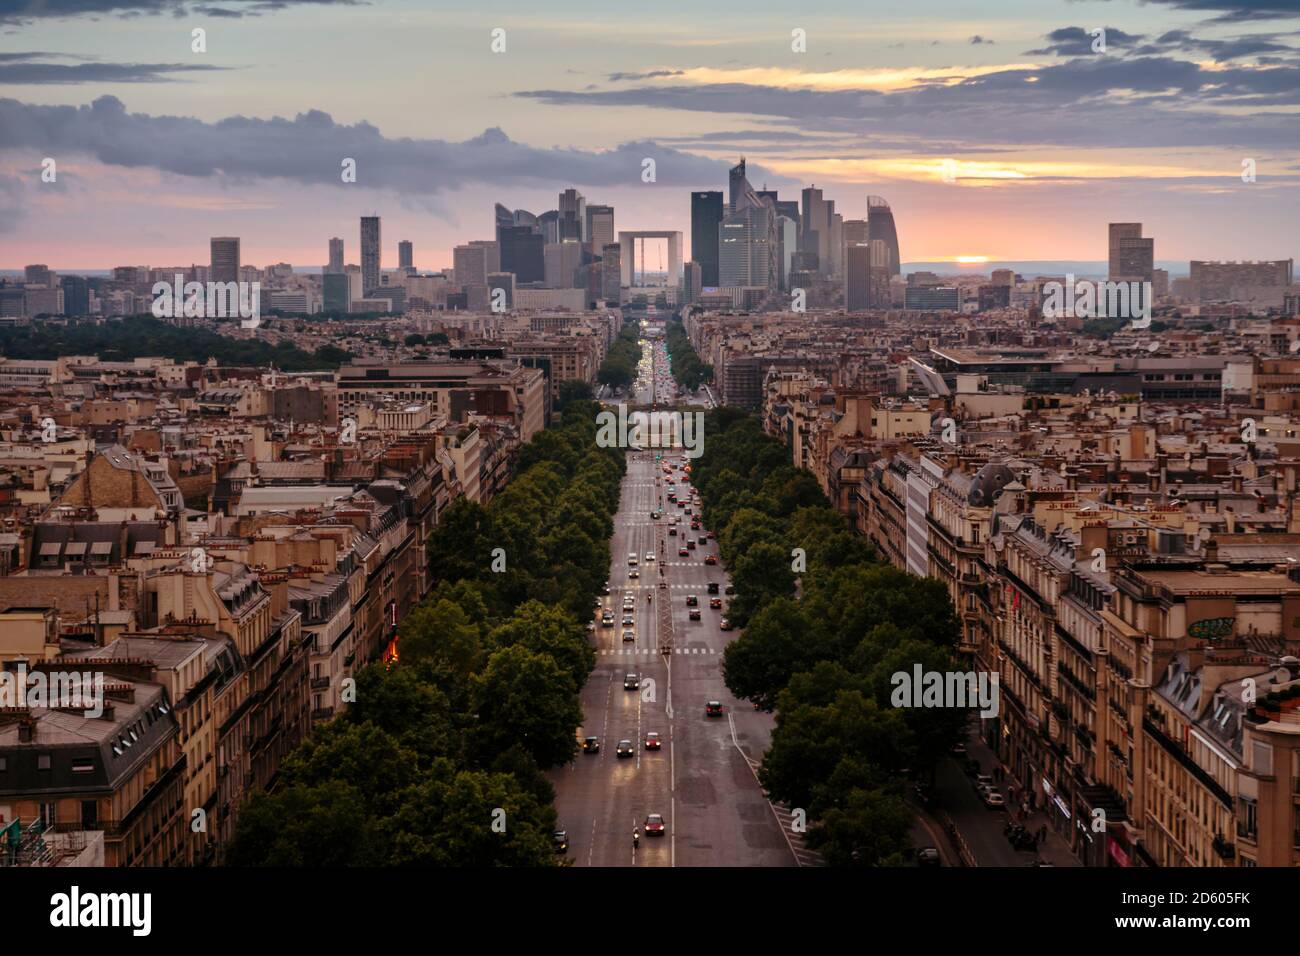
column 1024, row 267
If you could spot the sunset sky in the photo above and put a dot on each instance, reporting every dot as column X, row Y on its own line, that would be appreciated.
column 158, row 147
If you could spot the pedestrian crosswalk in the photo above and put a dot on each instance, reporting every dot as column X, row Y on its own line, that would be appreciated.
column 626, row 651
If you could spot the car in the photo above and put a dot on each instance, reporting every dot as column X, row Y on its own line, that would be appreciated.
column 715, row 603
column 928, row 856
column 983, row 780
column 683, row 553
column 628, row 620
column 561, row 838
column 591, row 745
column 690, row 544
column 649, row 556
column 605, row 589
column 695, row 614
column 631, row 681
column 713, row 708
column 702, row 541
column 672, row 532
column 725, row 624
column 692, row 600
column 994, row 800
column 607, row 619
column 654, row 825
column 599, row 604
column 628, row 601
column 713, row 587
column 625, row 749
column 628, row 635
column 729, row 589
column 652, row 741
column 633, row 573
column 654, row 515
column 710, row 559
column 631, row 559
column 709, row 535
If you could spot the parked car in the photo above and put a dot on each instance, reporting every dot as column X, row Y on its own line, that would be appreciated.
column 994, row 800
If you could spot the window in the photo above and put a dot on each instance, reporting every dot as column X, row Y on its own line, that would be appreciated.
column 83, row 765
column 43, row 762
column 89, row 813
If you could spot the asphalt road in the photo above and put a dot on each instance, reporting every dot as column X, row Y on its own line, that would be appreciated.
column 702, row 780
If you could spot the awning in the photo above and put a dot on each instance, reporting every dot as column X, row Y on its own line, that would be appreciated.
column 101, row 547
column 51, row 549
column 75, row 547
column 144, row 547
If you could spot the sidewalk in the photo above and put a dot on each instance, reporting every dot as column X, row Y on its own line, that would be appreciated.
column 1055, row 850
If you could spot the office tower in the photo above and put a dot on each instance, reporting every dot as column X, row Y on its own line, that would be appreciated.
column 1241, row 281
column 522, row 253
column 492, row 250
column 737, row 183
column 816, row 221
column 1004, row 277
column 787, row 245
column 370, row 253
column 561, row 261
column 790, row 209
column 548, row 224
column 857, row 276
column 335, row 291
column 573, row 215
column 691, row 286
column 1118, row 232
column 706, row 217
column 600, row 227
column 1137, row 259
column 1160, row 281
column 932, row 298
column 336, row 256
column 611, row 274
column 76, row 295
column 505, row 281
column 225, row 259
column 471, row 265
column 880, row 225
column 37, row 275
column 405, row 255
column 743, row 248
column 837, row 244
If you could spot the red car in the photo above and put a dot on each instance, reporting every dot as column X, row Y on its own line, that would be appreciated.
column 710, row 559
column 654, row 825
column 652, row 741
column 683, row 553
column 715, row 602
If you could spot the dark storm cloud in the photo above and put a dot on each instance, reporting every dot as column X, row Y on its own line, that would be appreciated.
column 311, row 147
column 26, row 11
column 1076, row 41
column 1230, row 11
column 23, row 72
column 1095, row 101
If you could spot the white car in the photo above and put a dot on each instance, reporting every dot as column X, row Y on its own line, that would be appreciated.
column 994, row 800
column 649, row 556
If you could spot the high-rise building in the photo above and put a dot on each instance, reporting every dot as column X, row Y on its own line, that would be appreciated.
column 370, row 253
column 600, row 227
column 611, row 272
column 691, row 286
column 76, row 295
column 736, row 183
column 522, row 253
column 880, row 225
column 405, row 255
column 561, row 261
column 573, row 215
column 471, row 265
column 225, row 259
column 38, row 275
column 492, row 250
column 816, row 220
column 837, row 244
column 706, row 217
column 336, row 291
column 336, row 256
column 1125, row 243
column 743, row 248
column 787, row 245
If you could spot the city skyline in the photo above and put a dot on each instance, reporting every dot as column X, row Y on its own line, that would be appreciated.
column 1043, row 140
